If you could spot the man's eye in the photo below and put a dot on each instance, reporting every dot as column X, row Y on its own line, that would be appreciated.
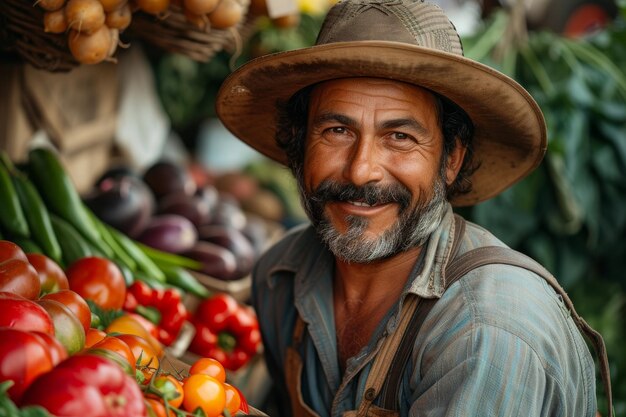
column 338, row 130
column 400, row 136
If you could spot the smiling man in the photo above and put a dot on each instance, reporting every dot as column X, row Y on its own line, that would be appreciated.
column 388, row 303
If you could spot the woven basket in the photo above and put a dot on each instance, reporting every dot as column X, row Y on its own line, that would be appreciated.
column 22, row 32
column 177, row 35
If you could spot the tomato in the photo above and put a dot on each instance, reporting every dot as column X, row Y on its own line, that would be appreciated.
column 209, row 366
column 19, row 313
column 205, row 392
column 118, row 346
column 233, row 399
column 129, row 325
column 75, row 303
column 9, row 250
column 87, row 385
column 19, row 277
column 142, row 350
column 23, row 357
column 93, row 336
column 51, row 276
column 67, row 327
column 57, row 351
column 171, row 388
column 158, row 408
column 98, row 279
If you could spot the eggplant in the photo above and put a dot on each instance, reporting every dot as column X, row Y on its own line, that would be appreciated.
column 169, row 233
column 197, row 208
column 233, row 240
column 123, row 202
column 217, row 261
column 166, row 177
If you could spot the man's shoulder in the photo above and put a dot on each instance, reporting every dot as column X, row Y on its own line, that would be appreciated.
column 288, row 251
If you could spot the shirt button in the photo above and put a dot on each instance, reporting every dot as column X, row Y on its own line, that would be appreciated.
column 370, row 394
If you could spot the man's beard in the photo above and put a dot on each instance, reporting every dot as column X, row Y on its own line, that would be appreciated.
column 412, row 228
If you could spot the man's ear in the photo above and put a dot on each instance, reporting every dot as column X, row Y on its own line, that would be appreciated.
column 455, row 161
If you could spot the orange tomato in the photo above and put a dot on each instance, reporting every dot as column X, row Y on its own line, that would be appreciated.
column 205, row 392
column 145, row 355
column 129, row 325
column 158, row 408
column 93, row 336
column 209, row 366
column 233, row 399
column 171, row 388
column 118, row 346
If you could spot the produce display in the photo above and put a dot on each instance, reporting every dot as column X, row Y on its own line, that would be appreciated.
column 87, row 312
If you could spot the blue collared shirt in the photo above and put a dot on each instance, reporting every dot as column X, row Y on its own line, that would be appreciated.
column 499, row 342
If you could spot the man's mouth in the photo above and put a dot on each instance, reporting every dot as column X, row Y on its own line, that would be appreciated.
column 361, row 203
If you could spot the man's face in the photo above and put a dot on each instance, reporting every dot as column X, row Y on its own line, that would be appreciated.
column 373, row 182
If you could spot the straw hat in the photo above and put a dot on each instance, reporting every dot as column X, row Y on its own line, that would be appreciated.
column 403, row 40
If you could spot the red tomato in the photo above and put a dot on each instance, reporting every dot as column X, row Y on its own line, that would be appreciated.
column 87, row 385
column 19, row 277
column 9, row 250
column 93, row 336
column 23, row 357
column 118, row 346
column 57, row 351
column 233, row 399
column 171, row 388
column 158, row 408
column 67, row 327
column 209, row 366
column 75, row 303
column 19, row 313
column 98, row 279
column 51, row 276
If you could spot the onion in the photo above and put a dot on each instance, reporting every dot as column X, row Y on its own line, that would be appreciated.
column 153, row 6
column 111, row 5
column 50, row 5
column 54, row 22
column 200, row 7
column 119, row 18
column 90, row 48
column 227, row 13
column 84, row 16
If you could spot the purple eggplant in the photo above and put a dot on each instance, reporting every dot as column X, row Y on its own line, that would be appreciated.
column 169, row 233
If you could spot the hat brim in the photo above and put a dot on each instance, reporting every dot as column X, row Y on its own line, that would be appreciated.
column 509, row 128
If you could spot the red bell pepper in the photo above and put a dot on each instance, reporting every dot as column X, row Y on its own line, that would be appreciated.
column 164, row 307
column 225, row 330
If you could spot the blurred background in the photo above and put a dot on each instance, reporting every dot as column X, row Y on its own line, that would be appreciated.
column 150, row 97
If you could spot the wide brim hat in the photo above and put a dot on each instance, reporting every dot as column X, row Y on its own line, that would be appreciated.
column 402, row 40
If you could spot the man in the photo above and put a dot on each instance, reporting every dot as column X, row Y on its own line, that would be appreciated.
column 388, row 303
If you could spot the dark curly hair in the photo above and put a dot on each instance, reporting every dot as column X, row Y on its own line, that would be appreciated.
column 291, row 130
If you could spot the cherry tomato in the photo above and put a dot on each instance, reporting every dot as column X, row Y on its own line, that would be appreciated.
column 87, row 385
column 171, row 388
column 23, row 357
column 209, row 366
column 93, row 336
column 233, row 399
column 158, row 408
column 67, row 328
column 9, row 250
column 51, row 276
column 205, row 392
column 19, row 277
column 98, row 279
column 75, row 303
column 118, row 346
column 19, row 313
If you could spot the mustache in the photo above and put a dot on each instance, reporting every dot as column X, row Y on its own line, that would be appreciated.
column 371, row 194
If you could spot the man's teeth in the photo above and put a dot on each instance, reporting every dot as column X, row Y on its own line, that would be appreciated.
column 360, row 203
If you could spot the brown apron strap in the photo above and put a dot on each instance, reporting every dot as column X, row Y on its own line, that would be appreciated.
column 503, row 255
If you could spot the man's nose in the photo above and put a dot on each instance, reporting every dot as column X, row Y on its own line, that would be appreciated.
column 363, row 165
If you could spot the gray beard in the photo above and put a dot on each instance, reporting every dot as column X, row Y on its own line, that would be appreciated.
column 411, row 229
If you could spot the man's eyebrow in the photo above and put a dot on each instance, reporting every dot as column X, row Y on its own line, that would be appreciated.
column 333, row 117
column 404, row 122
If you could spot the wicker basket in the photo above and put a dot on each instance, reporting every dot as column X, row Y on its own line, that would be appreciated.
column 22, row 32
column 175, row 34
